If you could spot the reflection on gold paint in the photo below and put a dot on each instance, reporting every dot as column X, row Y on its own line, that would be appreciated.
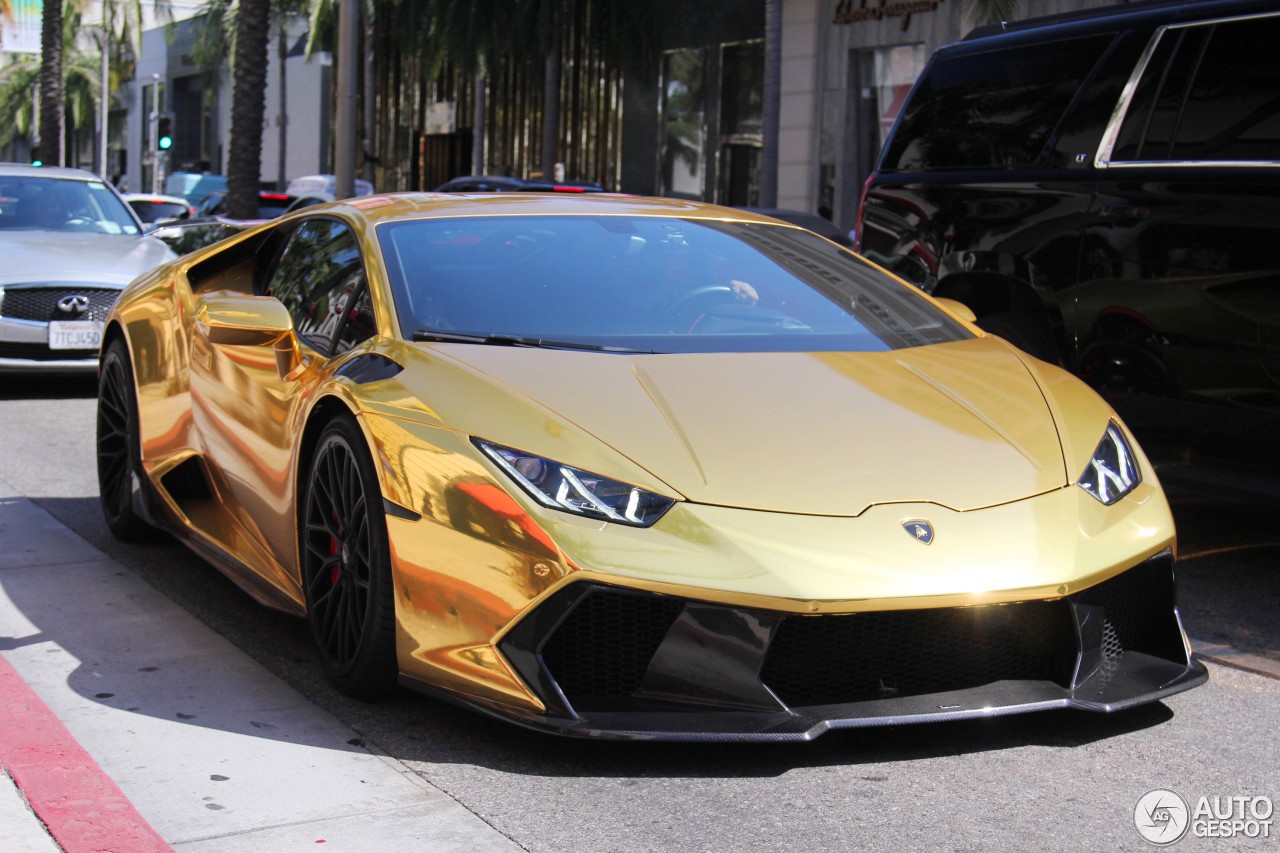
column 469, row 567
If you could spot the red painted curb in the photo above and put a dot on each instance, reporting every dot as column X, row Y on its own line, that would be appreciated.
column 83, row 809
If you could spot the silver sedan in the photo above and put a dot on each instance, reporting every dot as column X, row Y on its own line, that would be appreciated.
column 68, row 244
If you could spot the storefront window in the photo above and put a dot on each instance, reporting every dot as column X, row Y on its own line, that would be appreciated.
column 895, row 71
column 741, row 122
column 684, row 124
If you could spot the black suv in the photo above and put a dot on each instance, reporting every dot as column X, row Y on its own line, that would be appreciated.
column 1103, row 190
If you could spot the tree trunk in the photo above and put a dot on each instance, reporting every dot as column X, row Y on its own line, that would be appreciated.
column 772, row 102
column 370, row 147
column 282, row 179
column 51, row 85
column 248, row 104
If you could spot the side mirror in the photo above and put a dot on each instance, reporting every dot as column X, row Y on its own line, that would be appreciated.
column 964, row 312
column 234, row 319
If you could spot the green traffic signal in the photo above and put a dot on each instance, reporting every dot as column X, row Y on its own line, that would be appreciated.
column 164, row 133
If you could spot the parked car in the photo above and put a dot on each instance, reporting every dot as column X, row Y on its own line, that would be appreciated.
column 159, row 208
column 323, row 186
column 1101, row 188
column 505, row 184
column 637, row 468
column 270, row 204
column 68, row 244
column 194, row 186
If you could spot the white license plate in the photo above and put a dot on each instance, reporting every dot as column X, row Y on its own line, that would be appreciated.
column 75, row 334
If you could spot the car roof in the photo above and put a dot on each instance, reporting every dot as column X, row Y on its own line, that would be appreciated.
column 1148, row 12
column 424, row 205
column 27, row 170
column 308, row 185
column 172, row 199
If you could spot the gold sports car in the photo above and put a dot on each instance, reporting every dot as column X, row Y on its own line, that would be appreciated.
column 636, row 468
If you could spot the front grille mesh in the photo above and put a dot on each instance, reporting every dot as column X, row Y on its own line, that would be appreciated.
column 1138, row 607
column 826, row 660
column 41, row 303
column 601, row 651
column 604, row 646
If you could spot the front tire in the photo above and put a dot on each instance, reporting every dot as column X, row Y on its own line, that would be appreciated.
column 346, row 567
column 118, row 446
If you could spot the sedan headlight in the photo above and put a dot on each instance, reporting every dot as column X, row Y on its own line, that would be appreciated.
column 1112, row 472
column 573, row 490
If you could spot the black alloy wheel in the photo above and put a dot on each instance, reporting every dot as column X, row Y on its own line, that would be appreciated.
column 346, row 568
column 118, row 443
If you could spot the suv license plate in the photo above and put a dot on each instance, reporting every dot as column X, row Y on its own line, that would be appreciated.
column 75, row 334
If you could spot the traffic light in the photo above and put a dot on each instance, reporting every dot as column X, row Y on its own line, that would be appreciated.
column 164, row 133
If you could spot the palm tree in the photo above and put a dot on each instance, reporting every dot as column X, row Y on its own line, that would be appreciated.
column 50, row 150
column 772, row 102
column 82, row 85
column 248, row 105
column 122, row 20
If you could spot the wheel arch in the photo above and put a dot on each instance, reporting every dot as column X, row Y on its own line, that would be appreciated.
column 325, row 410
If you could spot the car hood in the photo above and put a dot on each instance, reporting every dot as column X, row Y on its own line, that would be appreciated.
column 60, row 256
column 963, row 425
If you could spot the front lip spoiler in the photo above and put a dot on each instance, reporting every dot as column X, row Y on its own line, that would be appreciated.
column 1137, row 679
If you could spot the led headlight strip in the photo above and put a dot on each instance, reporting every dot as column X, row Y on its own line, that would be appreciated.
column 1112, row 472
column 560, row 486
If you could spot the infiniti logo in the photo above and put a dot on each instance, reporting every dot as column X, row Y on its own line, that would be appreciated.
column 75, row 304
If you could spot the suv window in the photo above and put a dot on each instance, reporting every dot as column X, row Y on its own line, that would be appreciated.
column 1198, row 101
column 318, row 276
column 976, row 110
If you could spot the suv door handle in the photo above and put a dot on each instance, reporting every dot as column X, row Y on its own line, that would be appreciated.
column 1125, row 211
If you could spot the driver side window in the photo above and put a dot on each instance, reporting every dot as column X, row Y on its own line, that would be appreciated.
column 319, row 276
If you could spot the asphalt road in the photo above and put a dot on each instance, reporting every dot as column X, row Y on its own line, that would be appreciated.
column 1056, row 781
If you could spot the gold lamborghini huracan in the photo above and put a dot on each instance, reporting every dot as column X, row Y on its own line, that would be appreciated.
column 636, row 468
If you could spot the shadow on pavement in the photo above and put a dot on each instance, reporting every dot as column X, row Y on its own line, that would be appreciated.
column 52, row 387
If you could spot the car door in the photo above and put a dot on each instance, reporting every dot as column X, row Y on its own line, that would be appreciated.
column 248, row 415
column 1188, row 210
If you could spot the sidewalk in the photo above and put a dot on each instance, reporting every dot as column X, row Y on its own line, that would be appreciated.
column 128, row 725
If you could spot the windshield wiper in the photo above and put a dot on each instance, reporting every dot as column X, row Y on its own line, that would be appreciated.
column 439, row 337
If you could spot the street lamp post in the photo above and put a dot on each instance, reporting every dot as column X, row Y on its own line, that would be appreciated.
column 156, row 154
column 104, row 106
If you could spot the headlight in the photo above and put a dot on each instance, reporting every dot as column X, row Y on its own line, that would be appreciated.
column 1112, row 472
column 574, row 490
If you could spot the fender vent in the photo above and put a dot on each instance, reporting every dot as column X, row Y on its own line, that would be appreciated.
column 187, row 482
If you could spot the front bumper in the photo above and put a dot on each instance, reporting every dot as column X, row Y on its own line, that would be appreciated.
column 25, row 313
column 614, row 662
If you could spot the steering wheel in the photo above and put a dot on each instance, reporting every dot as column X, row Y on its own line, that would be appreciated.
column 696, row 302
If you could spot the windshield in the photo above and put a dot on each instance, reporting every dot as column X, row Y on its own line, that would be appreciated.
column 648, row 284
column 56, row 204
